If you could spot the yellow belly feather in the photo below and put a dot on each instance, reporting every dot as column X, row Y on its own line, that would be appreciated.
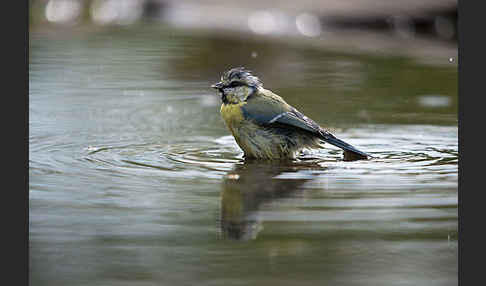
column 231, row 114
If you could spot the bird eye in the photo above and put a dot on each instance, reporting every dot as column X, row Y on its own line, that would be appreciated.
column 235, row 84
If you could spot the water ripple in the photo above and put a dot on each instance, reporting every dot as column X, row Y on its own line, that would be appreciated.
column 209, row 157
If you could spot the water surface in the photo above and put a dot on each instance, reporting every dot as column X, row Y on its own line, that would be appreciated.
column 134, row 179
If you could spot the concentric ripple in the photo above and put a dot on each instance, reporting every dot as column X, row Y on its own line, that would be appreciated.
column 198, row 157
column 424, row 153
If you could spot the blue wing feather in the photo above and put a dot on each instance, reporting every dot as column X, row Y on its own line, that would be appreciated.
column 274, row 112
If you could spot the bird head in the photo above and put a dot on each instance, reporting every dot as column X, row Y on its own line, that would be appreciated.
column 237, row 85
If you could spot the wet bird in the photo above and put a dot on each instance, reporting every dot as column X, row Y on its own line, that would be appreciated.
column 265, row 126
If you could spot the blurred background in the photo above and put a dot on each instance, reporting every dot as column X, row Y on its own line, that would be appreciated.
column 135, row 180
column 426, row 29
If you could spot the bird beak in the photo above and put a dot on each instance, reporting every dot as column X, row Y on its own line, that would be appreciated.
column 218, row 85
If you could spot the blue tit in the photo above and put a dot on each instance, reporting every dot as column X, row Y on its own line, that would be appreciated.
column 265, row 126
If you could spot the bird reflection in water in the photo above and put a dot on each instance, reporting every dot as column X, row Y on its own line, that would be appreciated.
column 251, row 184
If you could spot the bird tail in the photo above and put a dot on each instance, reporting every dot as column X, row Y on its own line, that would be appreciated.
column 350, row 152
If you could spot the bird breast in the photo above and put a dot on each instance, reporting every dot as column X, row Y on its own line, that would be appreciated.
column 232, row 115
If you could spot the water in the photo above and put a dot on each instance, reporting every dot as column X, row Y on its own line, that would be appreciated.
column 134, row 179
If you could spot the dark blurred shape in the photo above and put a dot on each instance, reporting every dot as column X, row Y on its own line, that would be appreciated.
column 250, row 185
column 153, row 9
column 439, row 24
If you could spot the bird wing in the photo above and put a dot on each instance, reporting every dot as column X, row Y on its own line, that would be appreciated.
column 273, row 110
column 269, row 108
